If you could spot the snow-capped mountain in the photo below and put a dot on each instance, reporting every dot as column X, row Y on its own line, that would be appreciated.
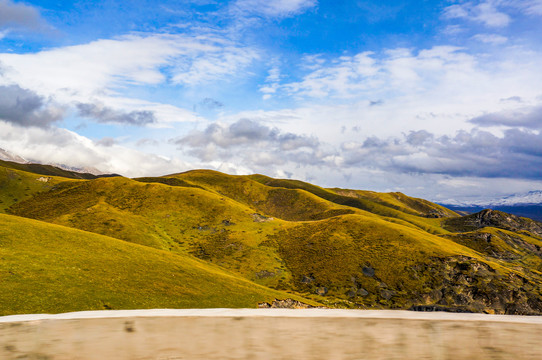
column 530, row 198
column 525, row 205
column 8, row 156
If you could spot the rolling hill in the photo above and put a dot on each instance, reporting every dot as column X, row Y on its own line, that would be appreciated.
column 47, row 268
column 337, row 247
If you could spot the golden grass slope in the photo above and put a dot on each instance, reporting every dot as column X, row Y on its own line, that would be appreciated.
column 344, row 248
column 47, row 268
column 18, row 185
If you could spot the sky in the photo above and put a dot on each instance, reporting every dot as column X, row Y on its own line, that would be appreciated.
column 436, row 99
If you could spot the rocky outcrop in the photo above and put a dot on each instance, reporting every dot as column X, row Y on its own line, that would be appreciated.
column 493, row 218
column 287, row 304
column 468, row 285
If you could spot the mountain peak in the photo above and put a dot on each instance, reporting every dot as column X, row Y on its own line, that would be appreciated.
column 9, row 156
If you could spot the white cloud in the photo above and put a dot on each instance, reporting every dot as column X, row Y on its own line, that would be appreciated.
column 493, row 13
column 272, row 83
column 214, row 65
column 61, row 146
column 370, row 99
column 98, row 72
column 437, row 88
column 529, row 7
column 244, row 140
column 485, row 12
column 274, row 8
column 491, row 39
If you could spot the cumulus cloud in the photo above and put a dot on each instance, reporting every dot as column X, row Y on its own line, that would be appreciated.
column 104, row 114
column 246, row 132
column 256, row 143
column 529, row 117
column 517, row 154
column 19, row 16
column 276, row 8
column 438, row 89
column 60, row 146
column 25, row 108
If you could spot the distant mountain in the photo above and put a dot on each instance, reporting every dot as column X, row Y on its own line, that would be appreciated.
column 52, row 169
column 530, row 198
column 525, row 205
column 9, row 156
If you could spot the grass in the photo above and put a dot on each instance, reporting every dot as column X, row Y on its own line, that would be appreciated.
column 48, row 268
column 289, row 235
column 18, row 185
column 333, row 253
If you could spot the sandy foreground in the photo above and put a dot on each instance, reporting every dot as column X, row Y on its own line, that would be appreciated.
column 269, row 334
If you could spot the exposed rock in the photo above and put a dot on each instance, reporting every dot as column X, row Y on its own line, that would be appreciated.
column 493, row 218
column 466, row 283
column 287, row 304
column 368, row 271
column 387, row 293
column 264, row 274
column 260, row 218
column 488, row 244
column 351, row 293
column 362, row 292
column 432, row 308
column 322, row 290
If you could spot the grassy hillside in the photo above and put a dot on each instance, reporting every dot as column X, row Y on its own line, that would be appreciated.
column 17, row 185
column 48, row 268
column 345, row 248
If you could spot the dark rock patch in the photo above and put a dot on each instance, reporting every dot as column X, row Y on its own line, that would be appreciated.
column 322, row 290
column 368, row 271
column 286, row 304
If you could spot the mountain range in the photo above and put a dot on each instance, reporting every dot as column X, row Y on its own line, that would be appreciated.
column 72, row 241
column 527, row 205
column 9, row 156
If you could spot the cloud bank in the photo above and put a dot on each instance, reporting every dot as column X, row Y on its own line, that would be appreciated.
column 26, row 108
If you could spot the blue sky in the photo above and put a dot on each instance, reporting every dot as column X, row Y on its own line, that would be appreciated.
column 437, row 99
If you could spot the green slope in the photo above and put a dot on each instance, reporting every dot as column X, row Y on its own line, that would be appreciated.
column 50, row 268
column 345, row 248
column 18, row 185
